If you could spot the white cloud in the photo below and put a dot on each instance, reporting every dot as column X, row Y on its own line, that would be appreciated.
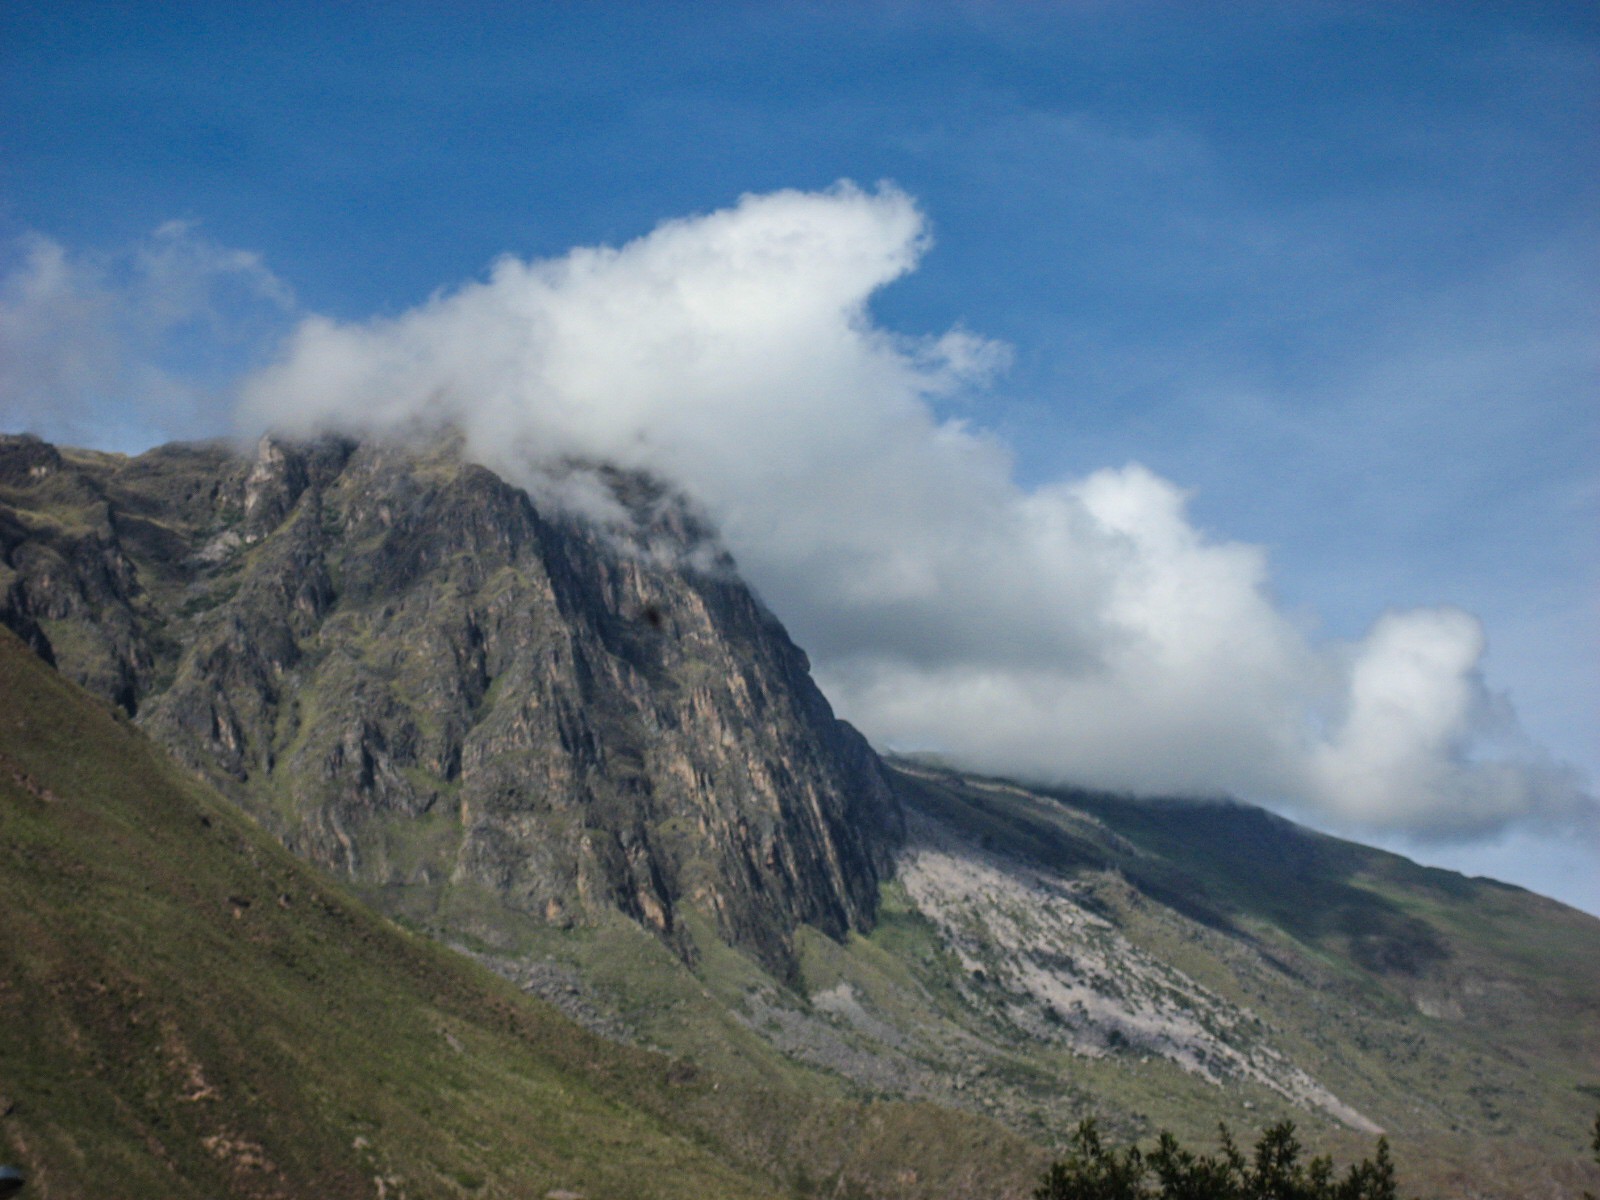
column 1083, row 631
column 130, row 346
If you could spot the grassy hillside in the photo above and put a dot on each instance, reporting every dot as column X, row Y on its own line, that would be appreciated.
column 185, row 1010
column 1232, row 966
column 1460, row 1015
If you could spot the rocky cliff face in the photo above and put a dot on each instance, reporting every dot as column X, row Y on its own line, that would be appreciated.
column 417, row 677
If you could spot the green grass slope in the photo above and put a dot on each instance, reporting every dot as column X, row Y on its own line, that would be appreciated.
column 1460, row 1014
column 186, row 1010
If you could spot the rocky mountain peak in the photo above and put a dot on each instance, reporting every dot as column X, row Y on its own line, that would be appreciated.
column 422, row 678
column 25, row 458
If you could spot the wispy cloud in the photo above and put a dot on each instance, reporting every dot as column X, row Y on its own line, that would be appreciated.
column 1083, row 630
column 146, row 338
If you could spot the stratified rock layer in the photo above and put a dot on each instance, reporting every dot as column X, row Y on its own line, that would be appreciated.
column 417, row 677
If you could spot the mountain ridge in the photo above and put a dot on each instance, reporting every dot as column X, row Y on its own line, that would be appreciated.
column 665, row 735
column 530, row 735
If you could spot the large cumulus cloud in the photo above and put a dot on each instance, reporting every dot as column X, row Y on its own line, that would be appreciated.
column 1083, row 631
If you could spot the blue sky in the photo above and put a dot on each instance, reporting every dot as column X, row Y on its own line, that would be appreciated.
column 1328, row 267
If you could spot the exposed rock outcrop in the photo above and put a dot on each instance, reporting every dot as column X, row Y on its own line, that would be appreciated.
column 417, row 677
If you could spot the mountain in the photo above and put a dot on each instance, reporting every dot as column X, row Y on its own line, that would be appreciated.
column 580, row 752
column 1180, row 962
column 420, row 681
column 186, row 1010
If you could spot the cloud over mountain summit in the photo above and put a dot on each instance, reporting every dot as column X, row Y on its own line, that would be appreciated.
column 1081, row 631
